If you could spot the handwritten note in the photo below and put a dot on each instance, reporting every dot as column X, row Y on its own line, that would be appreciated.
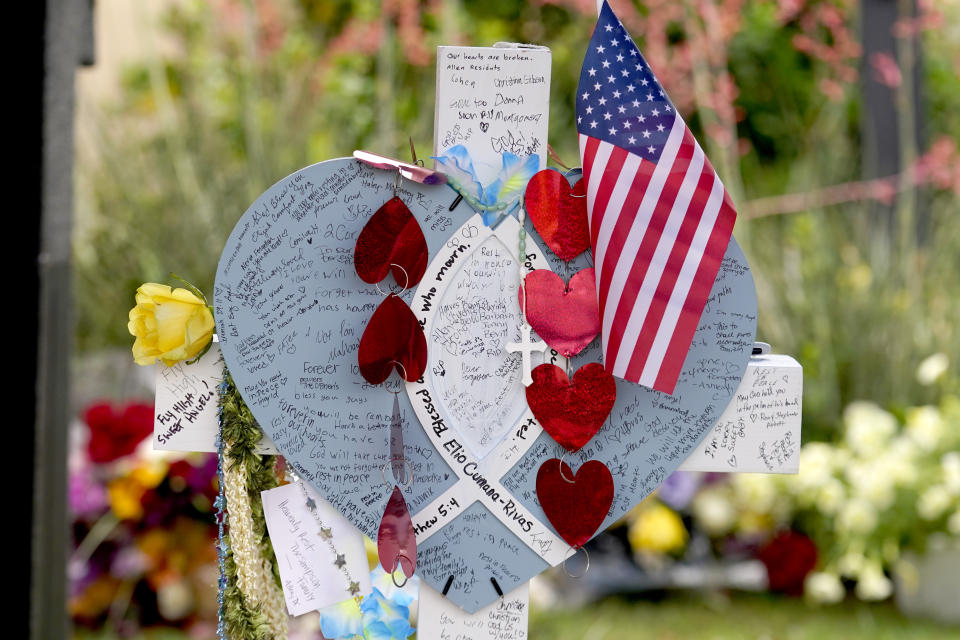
column 308, row 561
column 185, row 414
column 505, row 619
column 760, row 428
column 493, row 100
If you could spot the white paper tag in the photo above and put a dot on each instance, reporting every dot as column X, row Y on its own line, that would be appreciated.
column 185, row 407
column 492, row 100
column 760, row 429
column 311, row 579
column 505, row 619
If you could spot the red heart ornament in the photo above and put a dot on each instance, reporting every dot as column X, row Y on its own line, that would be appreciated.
column 559, row 212
column 571, row 412
column 391, row 240
column 566, row 317
column 575, row 505
column 393, row 339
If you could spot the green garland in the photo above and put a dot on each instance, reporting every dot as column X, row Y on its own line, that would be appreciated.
column 241, row 431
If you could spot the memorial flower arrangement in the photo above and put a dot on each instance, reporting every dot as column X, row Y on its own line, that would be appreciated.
column 142, row 526
column 891, row 485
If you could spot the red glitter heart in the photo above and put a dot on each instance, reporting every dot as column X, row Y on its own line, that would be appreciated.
column 559, row 212
column 571, row 412
column 393, row 339
column 392, row 236
column 566, row 317
column 576, row 505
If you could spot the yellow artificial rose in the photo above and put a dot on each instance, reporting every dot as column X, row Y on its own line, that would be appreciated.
column 657, row 529
column 170, row 324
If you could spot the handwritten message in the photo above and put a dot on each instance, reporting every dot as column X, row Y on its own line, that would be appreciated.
column 185, row 406
column 760, row 428
column 310, row 562
column 493, row 100
column 505, row 619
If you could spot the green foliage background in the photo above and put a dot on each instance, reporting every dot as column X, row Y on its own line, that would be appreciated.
column 256, row 90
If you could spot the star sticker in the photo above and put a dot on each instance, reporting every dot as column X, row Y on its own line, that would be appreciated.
column 354, row 588
column 311, row 504
column 632, row 140
column 592, row 71
column 340, row 561
column 326, row 533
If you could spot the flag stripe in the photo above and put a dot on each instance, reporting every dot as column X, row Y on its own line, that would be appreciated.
column 656, row 322
column 659, row 242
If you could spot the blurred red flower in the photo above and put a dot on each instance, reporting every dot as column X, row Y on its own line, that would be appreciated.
column 789, row 557
column 114, row 432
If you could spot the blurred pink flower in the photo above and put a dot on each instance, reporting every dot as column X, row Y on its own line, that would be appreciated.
column 87, row 497
column 886, row 71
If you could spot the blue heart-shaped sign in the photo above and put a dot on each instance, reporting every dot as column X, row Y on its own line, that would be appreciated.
column 291, row 310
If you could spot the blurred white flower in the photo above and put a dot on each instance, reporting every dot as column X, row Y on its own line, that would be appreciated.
column 175, row 600
column 950, row 463
column 871, row 482
column 932, row 367
column 868, row 428
column 714, row 512
column 872, row 584
column 953, row 523
column 899, row 461
column 823, row 587
column 857, row 516
column 757, row 491
column 816, row 468
column 851, row 563
column 925, row 427
column 934, row 502
column 831, row 497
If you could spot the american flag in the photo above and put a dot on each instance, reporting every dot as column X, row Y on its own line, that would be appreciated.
column 660, row 218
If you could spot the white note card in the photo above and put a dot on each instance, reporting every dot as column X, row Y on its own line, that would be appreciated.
column 505, row 619
column 185, row 407
column 760, row 429
column 308, row 571
column 493, row 100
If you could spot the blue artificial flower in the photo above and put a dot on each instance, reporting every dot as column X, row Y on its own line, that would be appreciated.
column 342, row 620
column 384, row 619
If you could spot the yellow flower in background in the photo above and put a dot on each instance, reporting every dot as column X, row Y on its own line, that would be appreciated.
column 657, row 529
column 124, row 495
column 170, row 324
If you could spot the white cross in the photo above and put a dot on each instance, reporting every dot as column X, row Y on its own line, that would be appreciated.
column 526, row 346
